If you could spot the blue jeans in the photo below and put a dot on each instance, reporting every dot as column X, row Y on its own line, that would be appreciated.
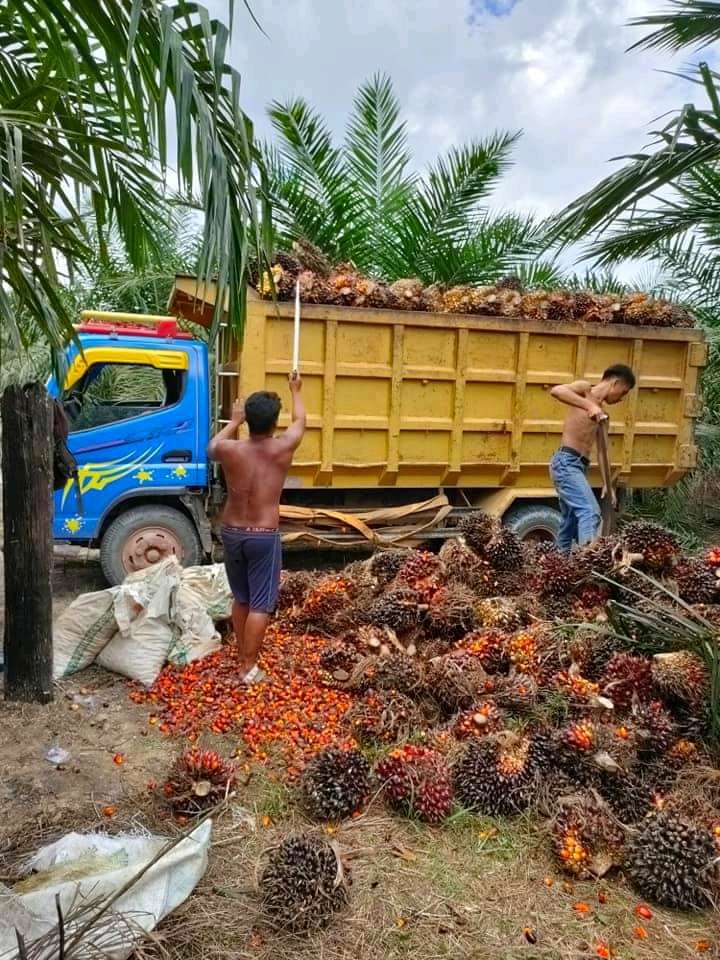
column 579, row 509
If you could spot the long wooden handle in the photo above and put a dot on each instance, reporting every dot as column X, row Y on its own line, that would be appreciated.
column 606, row 474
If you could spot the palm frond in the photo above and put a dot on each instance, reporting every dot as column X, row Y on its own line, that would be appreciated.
column 685, row 23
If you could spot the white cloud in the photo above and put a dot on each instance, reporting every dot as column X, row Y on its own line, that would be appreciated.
column 555, row 68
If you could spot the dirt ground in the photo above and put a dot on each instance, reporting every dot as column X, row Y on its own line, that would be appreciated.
column 474, row 890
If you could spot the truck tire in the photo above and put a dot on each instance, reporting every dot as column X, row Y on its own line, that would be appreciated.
column 533, row 522
column 145, row 535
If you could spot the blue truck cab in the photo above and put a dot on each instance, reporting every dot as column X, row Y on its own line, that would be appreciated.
column 137, row 398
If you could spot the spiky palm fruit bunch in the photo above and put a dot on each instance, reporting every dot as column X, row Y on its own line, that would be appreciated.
column 557, row 574
column 451, row 614
column 600, row 556
column 680, row 753
column 385, row 564
column 579, row 737
column 337, row 662
column 397, row 609
column 482, row 719
column 335, row 784
column 583, row 302
column 460, row 299
column 511, row 282
column 325, row 601
column 314, row 288
column 630, row 793
column 670, row 861
column 278, row 279
column 490, row 646
column 418, row 780
column 576, row 688
column 464, row 566
column 681, row 676
column 434, row 298
column 456, row 680
column 422, row 572
column 302, row 885
column 658, row 547
column 498, row 775
column 653, row 729
column 407, row 294
column 627, row 677
column 478, row 529
column 523, row 651
column 502, row 613
column 294, row 587
column 586, row 838
column 591, row 602
column 589, row 651
column 504, row 550
column 518, row 692
column 712, row 558
column 696, row 582
column 382, row 716
column 395, row 672
column 198, row 779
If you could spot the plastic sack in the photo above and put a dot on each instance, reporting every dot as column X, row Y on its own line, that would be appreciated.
column 82, row 871
column 82, row 630
column 202, row 599
column 144, row 607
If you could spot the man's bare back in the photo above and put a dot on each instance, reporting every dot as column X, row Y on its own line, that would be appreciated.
column 255, row 469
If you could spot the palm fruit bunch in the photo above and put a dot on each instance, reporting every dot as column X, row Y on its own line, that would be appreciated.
column 523, row 649
column 630, row 793
column 578, row 690
column 279, row 280
column 498, row 775
column 503, row 613
column 302, row 885
column 422, row 572
column 407, row 294
column 600, row 556
column 451, row 614
column 418, row 780
column 198, row 779
column 658, row 547
column 478, row 529
column 669, row 860
column 653, row 729
column 681, row 676
column 518, row 692
column 396, row 609
column 325, row 601
column 712, row 558
column 294, row 587
column 490, row 646
column 504, row 550
column 557, row 574
column 434, row 298
column 680, row 753
column 464, row 566
column 586, row 838
column 456, row 680
column 482, row 719
column 627, row 677
column 314, row 287
column 590, row 602
column 337, row 663
column 383, row 716
column 696, row 581
column 335, row 784
column 394, row 672
column 575, row 747
column 385, row 564
column 589, row 650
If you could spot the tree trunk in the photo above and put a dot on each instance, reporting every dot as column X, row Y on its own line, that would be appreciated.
column 27, row 516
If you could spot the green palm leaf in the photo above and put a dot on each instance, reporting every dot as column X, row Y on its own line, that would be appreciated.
column 685, row 23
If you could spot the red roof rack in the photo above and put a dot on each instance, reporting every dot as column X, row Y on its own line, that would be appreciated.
column 131, row 325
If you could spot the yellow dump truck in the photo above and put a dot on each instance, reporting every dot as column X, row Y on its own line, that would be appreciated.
column 414, row 418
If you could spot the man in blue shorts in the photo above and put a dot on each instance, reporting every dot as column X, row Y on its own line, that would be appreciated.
column 255, row 470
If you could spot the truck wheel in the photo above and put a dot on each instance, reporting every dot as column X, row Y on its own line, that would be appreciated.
column 533, row 523
column 146, row 535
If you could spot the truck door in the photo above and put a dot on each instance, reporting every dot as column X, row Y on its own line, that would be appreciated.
column 133, row 428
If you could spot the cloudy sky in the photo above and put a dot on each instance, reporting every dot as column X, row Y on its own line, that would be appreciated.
column 557, row 69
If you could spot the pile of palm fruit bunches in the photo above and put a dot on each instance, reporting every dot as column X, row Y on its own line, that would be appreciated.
column 497, row 677
column 343, row 285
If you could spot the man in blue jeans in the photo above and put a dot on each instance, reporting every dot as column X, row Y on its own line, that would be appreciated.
column 579, row 508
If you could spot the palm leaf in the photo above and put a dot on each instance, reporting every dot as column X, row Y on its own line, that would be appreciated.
column 685, row 23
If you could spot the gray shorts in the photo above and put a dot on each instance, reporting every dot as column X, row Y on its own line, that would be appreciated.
column 253, row 561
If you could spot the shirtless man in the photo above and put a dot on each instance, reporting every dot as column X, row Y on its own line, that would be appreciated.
column 255, row 470
column 568, row 468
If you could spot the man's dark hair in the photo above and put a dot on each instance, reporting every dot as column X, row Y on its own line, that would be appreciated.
column 262, row 410
column 619, row 371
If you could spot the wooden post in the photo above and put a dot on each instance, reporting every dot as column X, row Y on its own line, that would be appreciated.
column 27, row 518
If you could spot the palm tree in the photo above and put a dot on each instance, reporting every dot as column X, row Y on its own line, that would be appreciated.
column 97, row 102
column 652, row 201
column 362, row 202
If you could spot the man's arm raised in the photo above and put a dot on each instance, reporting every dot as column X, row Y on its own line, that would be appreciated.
column 228, row 432
column 296, row 431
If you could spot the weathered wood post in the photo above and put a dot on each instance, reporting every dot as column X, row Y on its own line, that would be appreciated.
column 27, row 519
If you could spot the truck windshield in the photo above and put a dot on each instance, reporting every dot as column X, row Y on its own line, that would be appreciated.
column 112, row 392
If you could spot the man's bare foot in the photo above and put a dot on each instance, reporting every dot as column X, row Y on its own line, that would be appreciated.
column 254, row 676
